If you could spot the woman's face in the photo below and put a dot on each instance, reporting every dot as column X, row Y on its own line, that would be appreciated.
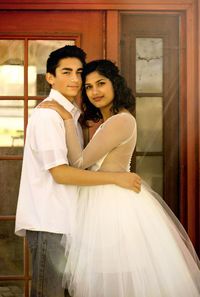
column 99, row 90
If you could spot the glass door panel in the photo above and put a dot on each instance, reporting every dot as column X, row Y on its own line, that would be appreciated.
column 11, row 125
column 38, row 52
column 149, row 114
column 150, row 63
column 149, row 110
column 11, row 250
column 12, row 68
column 10, row 172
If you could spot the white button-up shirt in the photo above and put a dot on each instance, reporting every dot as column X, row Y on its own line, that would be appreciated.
column 44, row 205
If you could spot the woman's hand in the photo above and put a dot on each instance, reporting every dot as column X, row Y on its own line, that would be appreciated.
column 65, row 115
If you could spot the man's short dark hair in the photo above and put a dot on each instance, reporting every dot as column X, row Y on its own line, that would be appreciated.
column 68, row 51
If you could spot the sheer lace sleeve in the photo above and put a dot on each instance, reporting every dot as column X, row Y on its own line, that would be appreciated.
column 116, row 130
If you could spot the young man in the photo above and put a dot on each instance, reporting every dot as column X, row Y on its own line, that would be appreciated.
column 48, row 191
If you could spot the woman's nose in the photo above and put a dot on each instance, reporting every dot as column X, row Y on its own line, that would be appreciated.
column 94, row 90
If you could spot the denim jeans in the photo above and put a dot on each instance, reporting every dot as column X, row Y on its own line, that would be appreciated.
column 48, row 263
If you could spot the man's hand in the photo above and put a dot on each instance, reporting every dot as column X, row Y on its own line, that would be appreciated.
column 129, row 180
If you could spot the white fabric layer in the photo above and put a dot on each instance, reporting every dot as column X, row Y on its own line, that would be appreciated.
column 127, row 244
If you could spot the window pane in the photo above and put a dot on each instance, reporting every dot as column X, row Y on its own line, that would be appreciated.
column 11, row 289
column 11, row 250
column 10, row 171
column 11, row 123
column 31, row 105
column 150, row 168
column 12, row 68
column 149, row 124
column 38, row 53
column 149, row 65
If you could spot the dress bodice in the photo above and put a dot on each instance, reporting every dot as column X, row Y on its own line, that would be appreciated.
column 111, row 147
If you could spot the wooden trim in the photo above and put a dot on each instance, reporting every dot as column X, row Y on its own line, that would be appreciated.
column 198, row 132
column 100, row 2
column 10, row 157
column 13, row 278
column 145, row 5
column 113, row 35
column 191, row 124
column 7, row 218
column 183, row 122
column 104, row 35
column 27, row 276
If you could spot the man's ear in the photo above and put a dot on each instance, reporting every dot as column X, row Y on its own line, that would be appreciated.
column 50, row 78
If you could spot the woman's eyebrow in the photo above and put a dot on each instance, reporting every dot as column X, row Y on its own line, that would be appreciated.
column 99, row 80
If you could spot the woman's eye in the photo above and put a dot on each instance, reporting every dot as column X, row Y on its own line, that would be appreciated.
column 87, row 87
column 101, row 83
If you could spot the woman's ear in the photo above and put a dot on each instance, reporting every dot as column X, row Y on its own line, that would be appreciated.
column 50, row 78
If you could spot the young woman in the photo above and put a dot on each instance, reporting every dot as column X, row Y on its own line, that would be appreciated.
column 125, row 244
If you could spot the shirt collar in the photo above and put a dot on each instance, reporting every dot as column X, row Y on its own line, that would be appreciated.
column 72, row 108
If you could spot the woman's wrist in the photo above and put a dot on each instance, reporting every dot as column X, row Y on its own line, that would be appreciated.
column 68, row 120
column 67, row 117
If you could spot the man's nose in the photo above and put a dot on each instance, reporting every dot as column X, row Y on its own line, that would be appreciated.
column 74, row 77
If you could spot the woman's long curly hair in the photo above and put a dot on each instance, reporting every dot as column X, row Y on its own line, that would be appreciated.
column 123, row 96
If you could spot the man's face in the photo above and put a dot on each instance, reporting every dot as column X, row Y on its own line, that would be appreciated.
column 67, row 79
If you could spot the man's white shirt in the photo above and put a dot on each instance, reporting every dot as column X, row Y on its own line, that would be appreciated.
column 44, row 205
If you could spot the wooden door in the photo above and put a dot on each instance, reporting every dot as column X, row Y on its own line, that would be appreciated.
column 150, row 62
column 26, row 38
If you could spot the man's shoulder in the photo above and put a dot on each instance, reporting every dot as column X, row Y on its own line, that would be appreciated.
column 43, row 115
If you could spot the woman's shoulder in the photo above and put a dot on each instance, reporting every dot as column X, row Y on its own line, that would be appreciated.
column 123, row 117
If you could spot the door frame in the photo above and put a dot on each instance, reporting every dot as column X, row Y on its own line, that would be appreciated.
column 190, row 79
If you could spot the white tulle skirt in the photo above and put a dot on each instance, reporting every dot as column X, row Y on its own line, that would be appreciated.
column 128, row 245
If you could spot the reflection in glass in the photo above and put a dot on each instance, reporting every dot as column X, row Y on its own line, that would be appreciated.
column 11, row 123
column 11, row 250
column 150, row 168
column 149, row 124
column 10, row 172
column 11, row 288
column 11, row 68
column 149, row 65
column 38, row 53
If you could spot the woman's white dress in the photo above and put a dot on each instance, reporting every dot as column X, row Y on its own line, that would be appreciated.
column 124, row 244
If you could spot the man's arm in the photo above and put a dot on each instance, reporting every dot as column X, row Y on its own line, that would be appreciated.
column 64, row 174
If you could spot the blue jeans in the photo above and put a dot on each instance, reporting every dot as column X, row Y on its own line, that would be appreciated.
column 48, row 263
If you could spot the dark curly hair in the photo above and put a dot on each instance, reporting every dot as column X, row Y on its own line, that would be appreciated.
column 123, row 96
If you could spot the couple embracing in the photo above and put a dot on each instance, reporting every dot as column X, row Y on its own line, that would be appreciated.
column 118, row 238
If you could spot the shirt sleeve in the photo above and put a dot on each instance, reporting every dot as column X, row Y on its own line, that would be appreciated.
column 116, row 130
column 47, row 138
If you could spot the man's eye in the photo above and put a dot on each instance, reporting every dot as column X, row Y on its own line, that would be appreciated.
column 87, row 87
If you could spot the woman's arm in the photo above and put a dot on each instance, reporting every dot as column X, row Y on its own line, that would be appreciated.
column 115, row 130
column 112, row 133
